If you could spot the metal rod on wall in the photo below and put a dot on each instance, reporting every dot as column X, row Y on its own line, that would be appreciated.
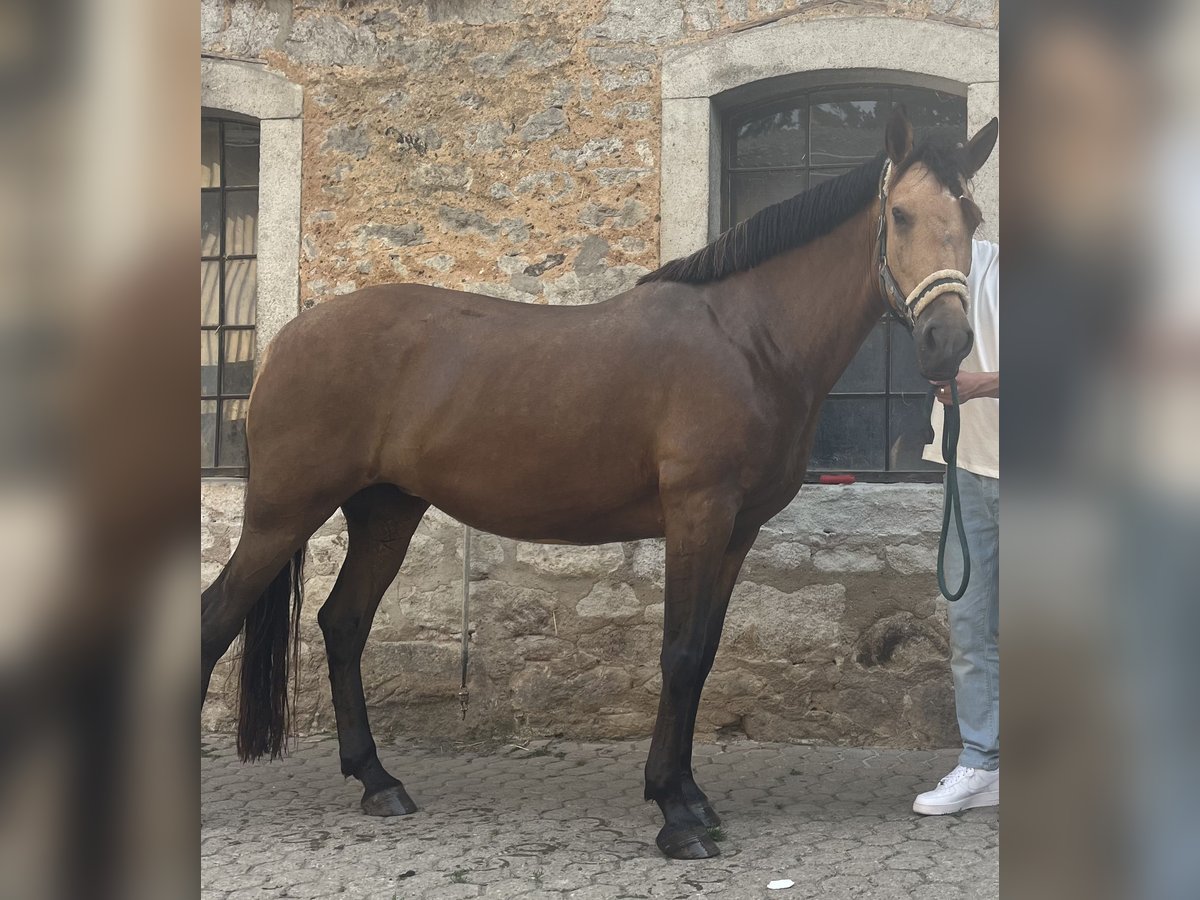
column 463, row 695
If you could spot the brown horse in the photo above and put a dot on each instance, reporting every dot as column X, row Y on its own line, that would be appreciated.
column 683, row 408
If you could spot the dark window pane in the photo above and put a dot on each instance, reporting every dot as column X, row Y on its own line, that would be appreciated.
column 233, row 432
column 241, row 155
column 866, row 370
column 241, row 220
column 241, row 285
column 208, row 363
column 816, row 176
column 210, row 224
column 208, row 433
column 210, row 153
column 847, row 127
column 932, row 112
column 210, row 292
column 909, row 426
column 238, row 372
column 775, row 138
column 850, row 435
column 905, row 375
column 751, row 191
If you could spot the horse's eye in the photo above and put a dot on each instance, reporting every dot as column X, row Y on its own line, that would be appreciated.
column 899, row 216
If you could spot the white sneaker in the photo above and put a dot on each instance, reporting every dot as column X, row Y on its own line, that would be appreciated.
column 962, row 789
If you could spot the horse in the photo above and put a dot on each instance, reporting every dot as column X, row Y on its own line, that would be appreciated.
column 683, row 408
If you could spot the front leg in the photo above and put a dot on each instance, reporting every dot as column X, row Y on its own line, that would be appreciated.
column 731, row 565
column 698, row 528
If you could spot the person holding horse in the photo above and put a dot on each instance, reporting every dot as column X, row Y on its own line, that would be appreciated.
column 975, row 617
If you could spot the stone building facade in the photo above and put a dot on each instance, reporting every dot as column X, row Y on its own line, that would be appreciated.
column 552, row 152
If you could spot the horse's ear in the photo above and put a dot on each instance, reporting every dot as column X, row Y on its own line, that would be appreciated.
column 979, row 148
column 899, row 138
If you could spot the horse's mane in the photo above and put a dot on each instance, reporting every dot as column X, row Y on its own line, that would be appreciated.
column 806, row 216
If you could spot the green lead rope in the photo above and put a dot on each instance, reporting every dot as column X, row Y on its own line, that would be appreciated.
column 951, row 504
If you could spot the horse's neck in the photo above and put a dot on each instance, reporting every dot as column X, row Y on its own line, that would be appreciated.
column 817, row 303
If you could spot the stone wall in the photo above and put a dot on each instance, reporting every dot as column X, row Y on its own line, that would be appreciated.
column 503, row 146
column 512, row 147
column 834, row 634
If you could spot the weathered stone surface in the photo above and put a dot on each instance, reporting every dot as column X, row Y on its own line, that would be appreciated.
column 635, row 21
column 591, row 151
column 522, row 54
column 351, row 139
column 471, row 12
column 573, row 288
column 591, row 256
column 542, row 125
column 843, row 559
column 900, row 641
column 407, row 235
column 630, row 213
column 613, row 81
column 704, row 15
column 912, row 559
column 487, row 136
column 554, row 186
column 609, row 601
column 455, row 218
column 620, row 175
column 622, row 57
column 635, row 111
column 570, row 562
column 785, row 626
column 432, row 177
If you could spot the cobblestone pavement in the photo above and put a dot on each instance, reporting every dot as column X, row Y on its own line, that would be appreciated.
column 558, row 819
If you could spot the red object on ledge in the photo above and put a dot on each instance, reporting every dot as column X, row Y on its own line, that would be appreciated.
column 837, row 479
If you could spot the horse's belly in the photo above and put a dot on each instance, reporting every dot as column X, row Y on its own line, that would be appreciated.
column 529, row 522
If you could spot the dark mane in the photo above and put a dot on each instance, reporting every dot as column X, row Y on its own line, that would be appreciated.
column 806, row 216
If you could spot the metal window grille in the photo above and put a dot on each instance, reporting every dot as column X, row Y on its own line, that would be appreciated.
column 228, row 286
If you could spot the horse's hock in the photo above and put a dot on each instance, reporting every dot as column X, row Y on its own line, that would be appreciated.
column 835, row 633
column 492, row 147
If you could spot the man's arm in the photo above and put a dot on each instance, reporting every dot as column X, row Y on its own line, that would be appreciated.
column 970, row 386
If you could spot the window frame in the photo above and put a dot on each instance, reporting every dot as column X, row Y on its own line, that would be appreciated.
column 731, row 116
column 219, row 397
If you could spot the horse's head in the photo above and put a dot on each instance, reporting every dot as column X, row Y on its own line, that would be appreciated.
column 925, row 239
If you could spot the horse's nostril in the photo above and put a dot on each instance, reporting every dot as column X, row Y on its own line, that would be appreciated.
column 931, row 337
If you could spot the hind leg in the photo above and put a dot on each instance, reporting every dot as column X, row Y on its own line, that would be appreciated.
column 381, row 521
column 276, row 523
column 259, row 557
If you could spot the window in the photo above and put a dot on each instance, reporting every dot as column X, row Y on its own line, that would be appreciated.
column 874, row 422
column 228, row 287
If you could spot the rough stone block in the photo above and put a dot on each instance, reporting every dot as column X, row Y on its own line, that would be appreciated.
column 610, row 601
column 563, row 561
column 544, row 124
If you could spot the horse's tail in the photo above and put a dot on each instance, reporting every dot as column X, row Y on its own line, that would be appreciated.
column 263, row 710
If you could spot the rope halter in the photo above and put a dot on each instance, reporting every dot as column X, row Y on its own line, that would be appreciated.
column 907, row 308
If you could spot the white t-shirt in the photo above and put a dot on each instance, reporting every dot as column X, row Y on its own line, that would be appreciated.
column 979, row 438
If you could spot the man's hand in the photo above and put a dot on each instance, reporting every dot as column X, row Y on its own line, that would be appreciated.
column 970, row 386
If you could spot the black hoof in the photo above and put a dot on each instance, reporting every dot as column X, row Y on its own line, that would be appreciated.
column 706, row 814
column 686, row 843
column 391, row 801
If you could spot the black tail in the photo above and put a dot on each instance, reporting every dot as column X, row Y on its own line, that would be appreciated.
column 263, row 709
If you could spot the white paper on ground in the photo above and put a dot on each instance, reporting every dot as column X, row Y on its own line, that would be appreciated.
column 780, row 884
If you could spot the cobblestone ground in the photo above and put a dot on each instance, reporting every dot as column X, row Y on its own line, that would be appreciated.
column 556, row 819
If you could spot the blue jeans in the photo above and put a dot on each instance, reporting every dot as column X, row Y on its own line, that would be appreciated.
column 975, row 622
